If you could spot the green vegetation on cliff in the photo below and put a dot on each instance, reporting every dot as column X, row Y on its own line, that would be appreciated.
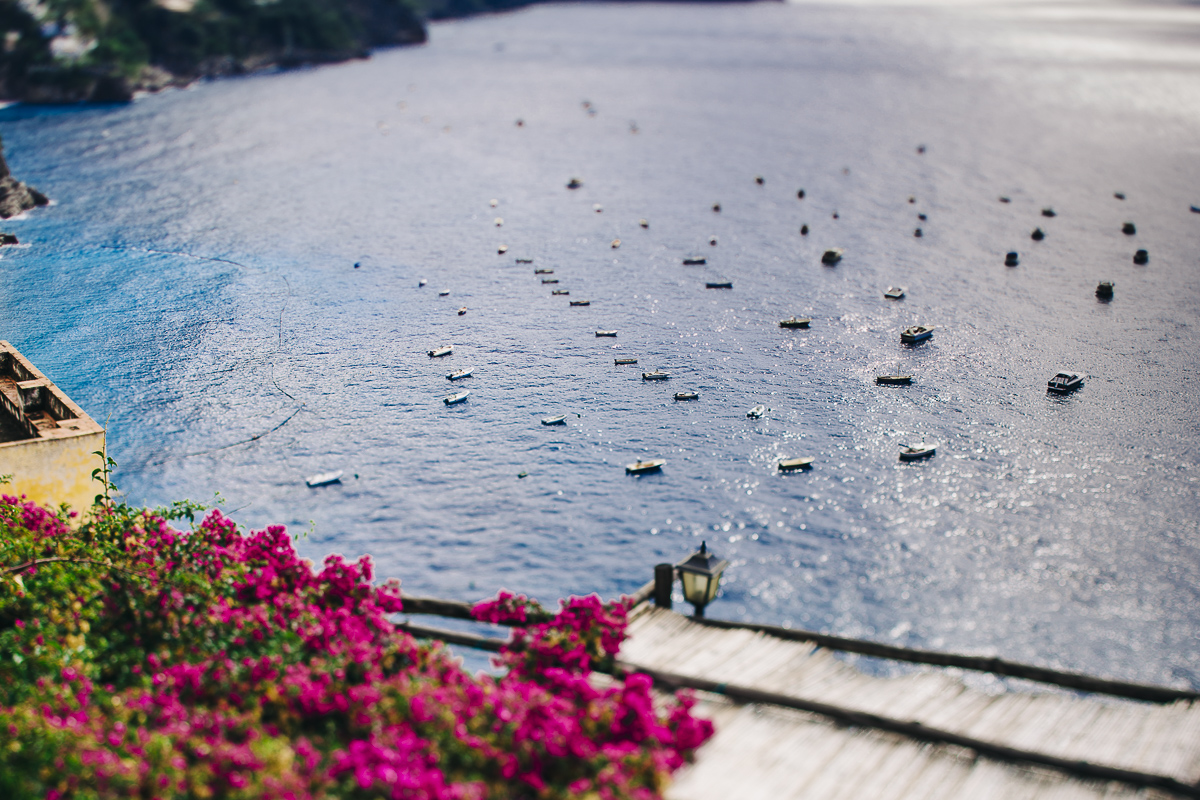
column 63, row 51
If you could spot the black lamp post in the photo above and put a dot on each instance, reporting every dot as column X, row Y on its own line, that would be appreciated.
column 701, row 577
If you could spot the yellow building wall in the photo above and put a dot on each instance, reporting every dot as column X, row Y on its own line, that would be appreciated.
column 53, row 471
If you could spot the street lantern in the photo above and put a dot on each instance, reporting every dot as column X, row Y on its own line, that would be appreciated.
column 701, row 575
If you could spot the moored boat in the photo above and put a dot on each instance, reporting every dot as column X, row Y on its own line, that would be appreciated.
column 1064, row 382
column 560, row 419
column 581, row 302
column 642, row 467
column 549, row 280
column 894, row 292
column 795, row 322
column 894, row 380
column 832, row 256
column 789, row 464
column 444, row 350
column 656, row 375
column 718, row 285
column 757, row 412
column 917, row 333
column 609, row 334
column 1105, row 290
column 462, row 311
column 687, row 396
column 524, row 260
column 917, row 451
column 560, row 292
column 694, row 262
column 444, row 293
column 624, row 361
column 325, row 478
column 459, row 374
column 457, row 397
column 574, row 183
column 543, row 271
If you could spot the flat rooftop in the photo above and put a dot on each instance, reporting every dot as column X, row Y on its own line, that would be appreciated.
column 31, row 407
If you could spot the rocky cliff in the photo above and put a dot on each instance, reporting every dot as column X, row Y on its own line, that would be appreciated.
column 15, row 196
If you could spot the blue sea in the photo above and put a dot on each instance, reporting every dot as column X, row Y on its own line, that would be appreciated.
column 229, row 280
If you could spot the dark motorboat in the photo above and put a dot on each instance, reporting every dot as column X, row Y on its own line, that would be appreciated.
column 1105, row 290
column 832, row 256
column 1141, row 257
column 894, row 380
column 1064, row 383
column 581, row 302
column 795, row 322
column 1011, row 259
column 574, row 183
column 719, row 285
column 694, row 262
column 917, row 451
column 687, row 396
column 1129, row 229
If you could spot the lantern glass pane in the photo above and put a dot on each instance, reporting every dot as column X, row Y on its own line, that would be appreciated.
column 695, row 587
column 711, row 588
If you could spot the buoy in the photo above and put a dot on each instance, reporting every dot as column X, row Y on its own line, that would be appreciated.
column 1048, row 212
column 1005, row 200
column 921, row 149
column 1119, row 195
column 804, row 230
column 616, row 243
column 644, row 223
column 1141, row 257
column 759, row 180
column 633, row 128
column 835, row 215
column 357, row 264
column 1128, row 229
column 800, row 195
column 912, row 199
column 717, row 207
column 712, row 240
column 1037, row 235
column 597, row 207
column 917, row 233
column 520, row 123
column 1010, row 259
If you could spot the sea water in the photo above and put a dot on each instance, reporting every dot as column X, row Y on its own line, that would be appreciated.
column 229, row 281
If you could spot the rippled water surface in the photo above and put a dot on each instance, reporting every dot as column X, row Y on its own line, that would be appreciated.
column 194, row 287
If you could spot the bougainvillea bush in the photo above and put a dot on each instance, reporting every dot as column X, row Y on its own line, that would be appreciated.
column 138, row 660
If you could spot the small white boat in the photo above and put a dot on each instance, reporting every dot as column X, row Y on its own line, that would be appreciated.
column 462, row 311
column 560, row 291
column 457, row 397
column 444, row 350
column 917, row 333
column 610, row 334
column 832, row 256
column 687, row 396
column 795, row 322
column 757, row 412
column 789, row 464
column 656, row 375
column 1063, row 383
column 914, row 452
column 642, row 467
column 325, row 478
column 458, row 375
column 623, row 361
column 894, row 293
column 543, row 271
column 421, row 283
column 444, row 293
column 502, row 249
column 561, row 419
column 616, row 243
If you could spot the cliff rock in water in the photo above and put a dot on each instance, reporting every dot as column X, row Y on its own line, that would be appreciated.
column 15, row 196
